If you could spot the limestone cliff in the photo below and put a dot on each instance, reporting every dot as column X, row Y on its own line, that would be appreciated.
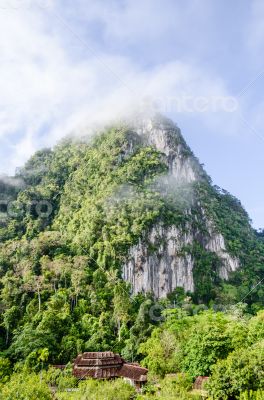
column 159, row 262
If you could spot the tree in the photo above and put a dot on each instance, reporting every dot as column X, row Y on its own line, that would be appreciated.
column 207, row 341
column 10, row 320
column 161, row 352
column 35, row 284
column 78, row 283
column 242, row 370
column 122, row 306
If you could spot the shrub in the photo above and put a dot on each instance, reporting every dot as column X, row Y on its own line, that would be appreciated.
column 25, row 387
column 5, row 369
column 241, row 371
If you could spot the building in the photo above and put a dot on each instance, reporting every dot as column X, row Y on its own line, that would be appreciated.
column 200, row 381
column 107, row 365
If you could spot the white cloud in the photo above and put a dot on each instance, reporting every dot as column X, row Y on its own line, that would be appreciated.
column 48, row 91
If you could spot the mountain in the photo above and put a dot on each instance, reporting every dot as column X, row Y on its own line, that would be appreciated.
column 135, row 198
column 99, row 228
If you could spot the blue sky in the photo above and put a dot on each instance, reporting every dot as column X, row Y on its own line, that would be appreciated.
column 65, row 65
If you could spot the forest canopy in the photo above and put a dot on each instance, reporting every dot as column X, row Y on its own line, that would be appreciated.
column 72, row 215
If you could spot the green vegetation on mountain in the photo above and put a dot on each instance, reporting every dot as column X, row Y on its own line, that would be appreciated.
column 64, row 236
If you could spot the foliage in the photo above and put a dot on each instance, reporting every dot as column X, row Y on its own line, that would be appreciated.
column 25, row 386
column 232, row 221
column 195, row 344
column 95, row 390
column 241, row 371
column 252, row 395
column 76, row 211
column 172, row 387
column 5, row 369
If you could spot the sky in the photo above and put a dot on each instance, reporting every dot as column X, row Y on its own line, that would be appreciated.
column 66, row 65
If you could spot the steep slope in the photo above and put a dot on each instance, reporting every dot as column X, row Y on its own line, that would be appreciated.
column 151, row 210
column 172, row 264
column 136, row 199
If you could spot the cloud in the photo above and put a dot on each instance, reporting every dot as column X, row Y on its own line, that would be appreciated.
column 54, row 80
column 15, row 182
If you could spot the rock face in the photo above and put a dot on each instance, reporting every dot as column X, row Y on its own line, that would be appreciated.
column 158, row 263
column 167, row 138
column 166, row 268
column 216, row 244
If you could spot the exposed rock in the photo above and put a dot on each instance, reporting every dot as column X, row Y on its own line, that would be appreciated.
column 158, row 263
column 167, row 138
column 216, row 243
column 162, row 269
